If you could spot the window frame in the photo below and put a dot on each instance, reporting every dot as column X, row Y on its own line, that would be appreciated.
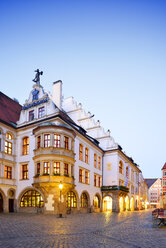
column 41, row 113
column 25, row 146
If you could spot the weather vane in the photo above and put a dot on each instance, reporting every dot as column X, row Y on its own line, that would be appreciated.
column 37, row 76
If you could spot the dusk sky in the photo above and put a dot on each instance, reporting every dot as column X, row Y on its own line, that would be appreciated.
column 111, row 57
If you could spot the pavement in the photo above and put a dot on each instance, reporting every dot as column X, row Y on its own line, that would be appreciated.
column 112, row 230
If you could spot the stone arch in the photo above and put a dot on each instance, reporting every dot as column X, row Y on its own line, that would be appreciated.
column 2, row 201
column 127, row 203
column 97, row 202
column 107, row 203
column 132, row 203
column 121, row 203
column 11, row 200
column 83, row 202
column 68, row 206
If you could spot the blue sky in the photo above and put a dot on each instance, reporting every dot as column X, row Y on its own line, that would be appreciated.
column 110, row 55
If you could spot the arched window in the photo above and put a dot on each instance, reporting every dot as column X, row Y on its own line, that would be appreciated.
column 8, row 144
column 32, row 199
column 9, row 136
column 121, row 167
column 96, row 202
column 81, row 152
column 86, row 155
column 84, row 200
column 71, row 201
column 25, row 147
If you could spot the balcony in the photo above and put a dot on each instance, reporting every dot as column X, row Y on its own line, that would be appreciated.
column 6, row 181
column 114, row 188
column 54, row 151
column 53, row 179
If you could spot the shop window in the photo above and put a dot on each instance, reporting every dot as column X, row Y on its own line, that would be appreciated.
column 46, row 140
column 66, row 142
column 81, row 152
column 8, row 172
column 71, row 201
column 84, row 200
column 32, row 199
column 24, row 171
column 31, row 115
column 86, row 155
column 41, row 112
column 25, row 148
column 57, row 140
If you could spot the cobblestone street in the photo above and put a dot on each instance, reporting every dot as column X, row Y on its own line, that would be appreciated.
column 126, row 230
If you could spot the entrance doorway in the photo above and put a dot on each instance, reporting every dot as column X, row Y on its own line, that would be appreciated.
column 121, row 207
column 107, row 203
column 1, row 203
column 11, row 205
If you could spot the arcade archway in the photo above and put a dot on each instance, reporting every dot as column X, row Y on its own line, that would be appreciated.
column 107, row 203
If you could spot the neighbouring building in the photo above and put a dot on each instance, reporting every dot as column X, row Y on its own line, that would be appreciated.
column 163, row 198
column 55, row 158
column 154, row 191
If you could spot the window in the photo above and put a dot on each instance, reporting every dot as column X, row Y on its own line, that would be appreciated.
column 56, row 168
column 38, row 141
column 66, row 142
column 8, row 172
column 86, row 155
column 95, row 180
column 87, row 177
column 80, row 175
column 99, row 181
column 164, row 173
column 46, row 140
column 84, row 200
column 8, row 147
column 31, row 115
column 41, row 112
column 96, row 202
column 121, row 167
column 95, row 160
column 32, row 199
column 66, row 169
column 81, row 152
column 127, row 171
column 99, row 163
column 57, row 140
column 25, row 149
column 38, row 168
column 71, row 201
column 72, row 170
column 24, row 171
column 46, row 168
column 9, row 136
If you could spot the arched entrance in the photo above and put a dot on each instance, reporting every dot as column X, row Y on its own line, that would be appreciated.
column 127, row 203
column 84, row 200
column 31, row 199
column 1, row 203
column 132, row 204
column 107, row 203
column 121, row 206
column 96, row 201
column 11, row 200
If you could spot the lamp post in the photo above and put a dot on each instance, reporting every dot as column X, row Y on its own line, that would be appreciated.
column 60, row 187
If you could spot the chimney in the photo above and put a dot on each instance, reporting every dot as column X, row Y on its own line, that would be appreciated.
column 57, row 93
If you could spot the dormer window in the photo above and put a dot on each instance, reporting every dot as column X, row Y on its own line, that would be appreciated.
column 31, row 115
column 41, row 112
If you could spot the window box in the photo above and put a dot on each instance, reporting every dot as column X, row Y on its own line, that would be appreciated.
column 45, row 174
column 66, row 175
column 37, row 175
column 57, row 174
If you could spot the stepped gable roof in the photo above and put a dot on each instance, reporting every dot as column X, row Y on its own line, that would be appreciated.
column 164, row 167
column 150, row 181
column 9, row 110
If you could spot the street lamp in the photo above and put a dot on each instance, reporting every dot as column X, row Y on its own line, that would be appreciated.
column 60, row 187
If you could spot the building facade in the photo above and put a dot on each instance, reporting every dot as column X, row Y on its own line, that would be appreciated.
column 154, row 191
column 54, row 158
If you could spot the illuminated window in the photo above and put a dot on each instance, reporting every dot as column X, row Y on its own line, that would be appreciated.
column 46, row 168
column 66, row 169
column 80, row 175
column 31, row 115
column 9, row 136
column 32, row 199
column 99, row 163
column 56, row 167
column 95, row 180
column 8, row 172
column 38, row 168
column 96, row 202
column 66, row 142
column 87, row 177
column 38, row 141
column 25, row 148
column 95, row 160
column 86, row 155
column 24, row 171
column 99, row 181
column 81, row 152
column 8, row 147
column 41, row 112
column 71, row 201
column 47, row 140
column 121, row 167
column 57, row 140
column 84, row 200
